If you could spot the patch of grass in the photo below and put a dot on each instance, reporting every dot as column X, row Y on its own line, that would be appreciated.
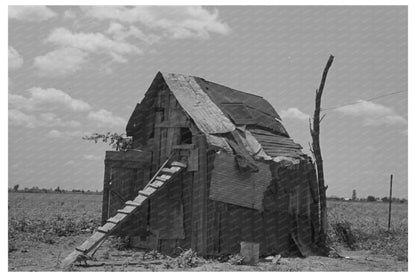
column 363, row 225
column 39, row 217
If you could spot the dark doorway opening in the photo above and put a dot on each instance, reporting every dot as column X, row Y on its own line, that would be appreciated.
column 185, row 136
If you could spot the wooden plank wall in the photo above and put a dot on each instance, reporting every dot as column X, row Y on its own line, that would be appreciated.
column 134, row 166
column 107, row 176
column 199, row 199
column 169, row 119
column 229, row 224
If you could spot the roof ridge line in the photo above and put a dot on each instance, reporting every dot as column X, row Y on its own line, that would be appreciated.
column 240, row 91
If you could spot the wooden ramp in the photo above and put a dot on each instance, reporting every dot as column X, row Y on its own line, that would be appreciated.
column 166, row 172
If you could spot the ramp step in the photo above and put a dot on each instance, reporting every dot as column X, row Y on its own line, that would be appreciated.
column 176, row 168
column 102, row 230
column 168, row 170
column 156, row 184
column 140, row 199
column 116, row 219
column 127, row 210
column 132, row 203
column 178, row 164
column 163, row 178
column 106, row 228
column 147, row 191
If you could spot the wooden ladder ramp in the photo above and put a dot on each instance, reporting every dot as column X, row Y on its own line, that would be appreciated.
column 162, row 176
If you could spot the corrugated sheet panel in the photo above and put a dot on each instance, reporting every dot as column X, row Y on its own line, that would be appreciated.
column 260, row 111
column 239, row 113
column 230, row 185
column 275, row 145
column 206, row 114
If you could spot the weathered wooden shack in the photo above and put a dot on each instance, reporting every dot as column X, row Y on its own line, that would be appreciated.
column 246, row 180
column 242, row 178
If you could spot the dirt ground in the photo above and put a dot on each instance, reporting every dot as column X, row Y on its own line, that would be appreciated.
column 45, row 227
column 47, row 257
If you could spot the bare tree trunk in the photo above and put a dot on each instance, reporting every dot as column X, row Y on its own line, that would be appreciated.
column 316, row 150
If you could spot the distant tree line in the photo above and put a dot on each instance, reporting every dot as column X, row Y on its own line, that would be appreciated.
column 36, row 189
column 369, row 198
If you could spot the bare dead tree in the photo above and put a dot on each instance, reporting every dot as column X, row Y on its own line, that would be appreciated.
column 316, row 151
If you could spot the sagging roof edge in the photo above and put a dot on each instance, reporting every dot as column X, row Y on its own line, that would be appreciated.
column 215, row 137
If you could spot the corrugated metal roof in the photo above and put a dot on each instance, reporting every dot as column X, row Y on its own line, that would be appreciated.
column 275, row 145
column 261, row 112
column 206, row 114
column 214, row 107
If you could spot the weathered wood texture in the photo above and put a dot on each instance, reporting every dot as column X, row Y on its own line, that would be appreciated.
column 208, row 117
column 125, row 174
column 199, row 199
column 288, row 208
column 316, row 150
column 214, row 204
column 230, row 185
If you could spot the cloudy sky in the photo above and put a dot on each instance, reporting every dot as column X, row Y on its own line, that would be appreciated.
column 76, row 70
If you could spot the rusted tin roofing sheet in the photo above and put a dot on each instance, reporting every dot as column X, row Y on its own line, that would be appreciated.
column 206, row 114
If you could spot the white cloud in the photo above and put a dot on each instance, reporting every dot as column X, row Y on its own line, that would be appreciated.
column 60, row 62
column 385, row 120
column 31, row 13
column 294, row 113
column 15, row 59
column 47, row 98
column 174, row 21
column 373, row 114
column 106, row 118
column 50, row 119
column 93, row 43
column 69, row 14
column 120, row 33
column 19, row 118
column 64, row 134
column 365, row 108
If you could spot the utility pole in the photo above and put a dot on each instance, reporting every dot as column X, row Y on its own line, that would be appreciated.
column 391, row 189
column 316, row 150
